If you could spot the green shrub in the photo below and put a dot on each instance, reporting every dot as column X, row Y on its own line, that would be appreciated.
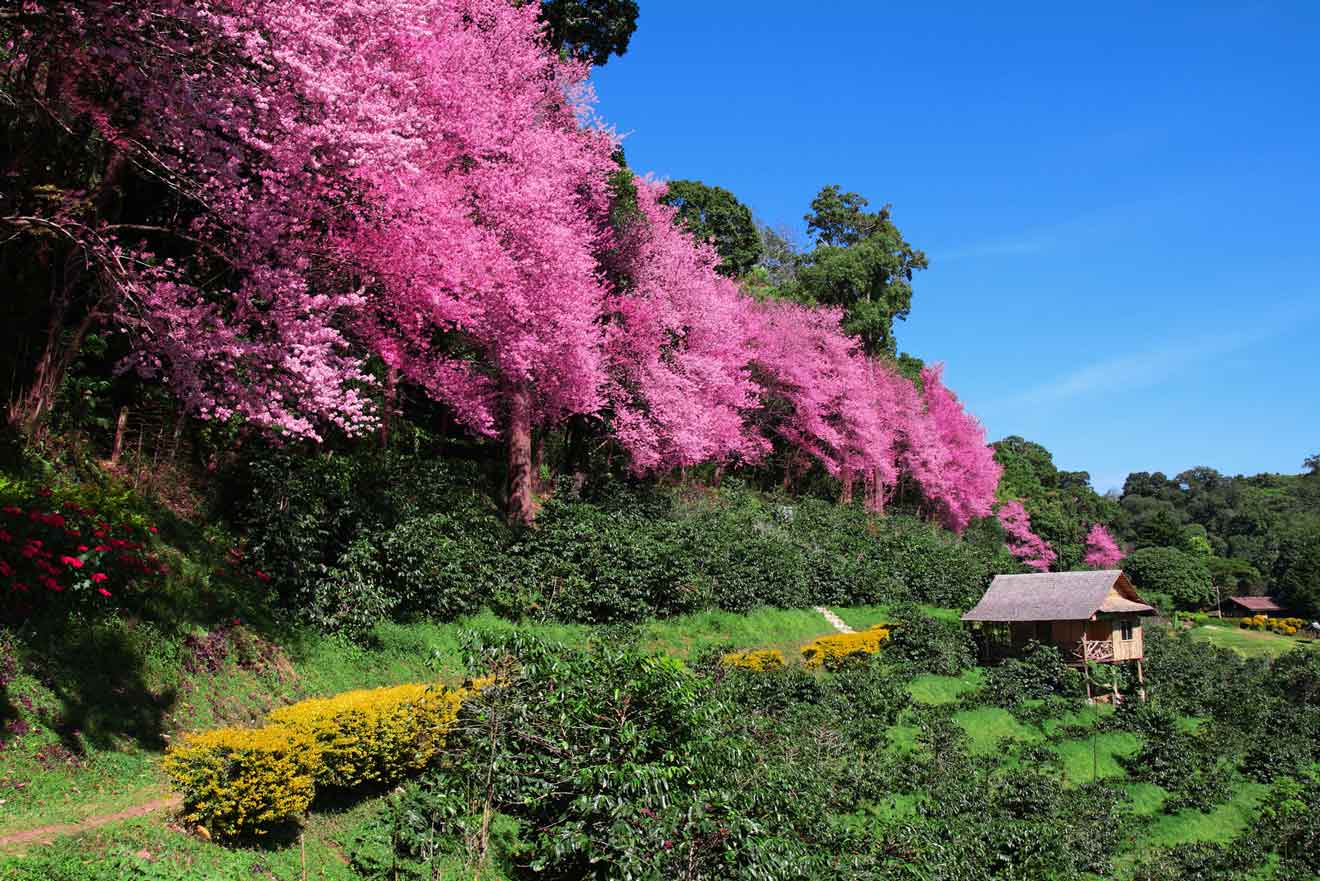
column 1039, row 672
column 928, row 644
column 443, row 565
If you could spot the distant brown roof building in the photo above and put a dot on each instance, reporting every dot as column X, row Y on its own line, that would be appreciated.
column 1256, row 605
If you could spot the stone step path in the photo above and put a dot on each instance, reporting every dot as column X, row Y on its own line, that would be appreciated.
column 835, row 621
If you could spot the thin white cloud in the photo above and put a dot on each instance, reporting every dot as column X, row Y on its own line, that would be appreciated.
column 1158, row 364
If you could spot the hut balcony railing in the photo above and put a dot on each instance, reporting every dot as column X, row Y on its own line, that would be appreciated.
column 1097, row 650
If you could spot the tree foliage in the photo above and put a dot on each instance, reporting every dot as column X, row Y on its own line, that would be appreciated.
column 715, row 215
column 1171, row 572
column 861, row 264
column 592, row 30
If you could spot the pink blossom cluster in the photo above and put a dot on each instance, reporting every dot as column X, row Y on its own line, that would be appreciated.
column 421, row 182
column 1102, row 552
column 1029, row 548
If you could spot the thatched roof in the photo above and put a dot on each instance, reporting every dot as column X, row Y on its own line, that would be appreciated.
column 1257, row 604
column 1058, row 596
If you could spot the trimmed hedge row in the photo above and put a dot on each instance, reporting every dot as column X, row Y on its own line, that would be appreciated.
column 349, row 541
column 240, row 782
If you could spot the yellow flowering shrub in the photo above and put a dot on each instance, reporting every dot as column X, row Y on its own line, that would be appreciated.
column 243, row 781
column 373, row 735
column 1285, row 626
column 831, row 651
column 759, row 660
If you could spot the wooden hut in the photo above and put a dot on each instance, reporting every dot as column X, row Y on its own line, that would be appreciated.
column 1090, row 616
column 1248, row 606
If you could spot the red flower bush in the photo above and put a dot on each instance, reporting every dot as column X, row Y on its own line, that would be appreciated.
column 70, row 555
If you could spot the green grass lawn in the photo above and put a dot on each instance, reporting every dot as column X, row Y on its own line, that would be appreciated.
column 862, row 617
column 987, row 726
column 1222, row 824
column 1097, row 757
column 1251, row 643
column 932, row 689
column 686, row 636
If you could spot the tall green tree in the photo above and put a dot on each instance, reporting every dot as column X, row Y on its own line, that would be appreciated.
column 862, row 264
column 714, row 214
column 590, row 29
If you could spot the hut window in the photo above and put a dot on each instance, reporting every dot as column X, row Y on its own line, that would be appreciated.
column 1126, row 628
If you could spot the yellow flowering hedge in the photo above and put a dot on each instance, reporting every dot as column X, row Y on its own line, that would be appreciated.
column 242, row 781
column 1285, row 626
column 757, row 659
column 376, row 735
column 239, row 781
column 831, row 651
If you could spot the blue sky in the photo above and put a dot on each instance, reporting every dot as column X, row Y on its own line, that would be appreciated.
column 1121, row 206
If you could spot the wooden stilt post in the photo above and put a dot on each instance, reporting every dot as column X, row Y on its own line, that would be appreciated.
column 1114, row 674
column 1141, row 680
column 1086, row 670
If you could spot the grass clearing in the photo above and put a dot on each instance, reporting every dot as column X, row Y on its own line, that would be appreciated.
column 1251, row 643
column 987, row 726
column 1097, row 757
column 686, row 636
column 1221, row 825
column 862, row 617
column 932, row 689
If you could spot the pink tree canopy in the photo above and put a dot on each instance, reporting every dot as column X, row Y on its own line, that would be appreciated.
column 680, row 348
column 948, row 456
column 421, row 183
column 1102, row 552
column 1025, row 545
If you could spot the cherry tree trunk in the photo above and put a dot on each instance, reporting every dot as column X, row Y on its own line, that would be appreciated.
column 62, row 343
column 846, row 487
column 389, row 405
column 519, row 506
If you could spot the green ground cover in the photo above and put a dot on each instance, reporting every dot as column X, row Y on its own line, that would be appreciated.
column 1251, row 643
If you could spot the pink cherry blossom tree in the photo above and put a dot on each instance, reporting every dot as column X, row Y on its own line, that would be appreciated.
column 679, row 348
column 1029, row 548
column 947, row 456
column 1102, row 552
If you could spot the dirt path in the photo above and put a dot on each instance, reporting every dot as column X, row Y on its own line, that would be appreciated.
column 835, row 621
column 47, row 834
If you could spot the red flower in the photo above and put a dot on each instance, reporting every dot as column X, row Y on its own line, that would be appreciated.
column 103, row 592
column 98, row 577
column 72, row 561
column 13, row 509
column 82, row 549
column 5, row 569
column 152, row 529
column 100, row 548
column 5, row 536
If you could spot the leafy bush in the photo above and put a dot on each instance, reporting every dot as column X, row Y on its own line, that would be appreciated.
column 351, row 596
column 299, row 513
column 373, row 736
column 442, row 565
column 832, row 652
column 1039, row 672
column 241, row 782
column 929, row 644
